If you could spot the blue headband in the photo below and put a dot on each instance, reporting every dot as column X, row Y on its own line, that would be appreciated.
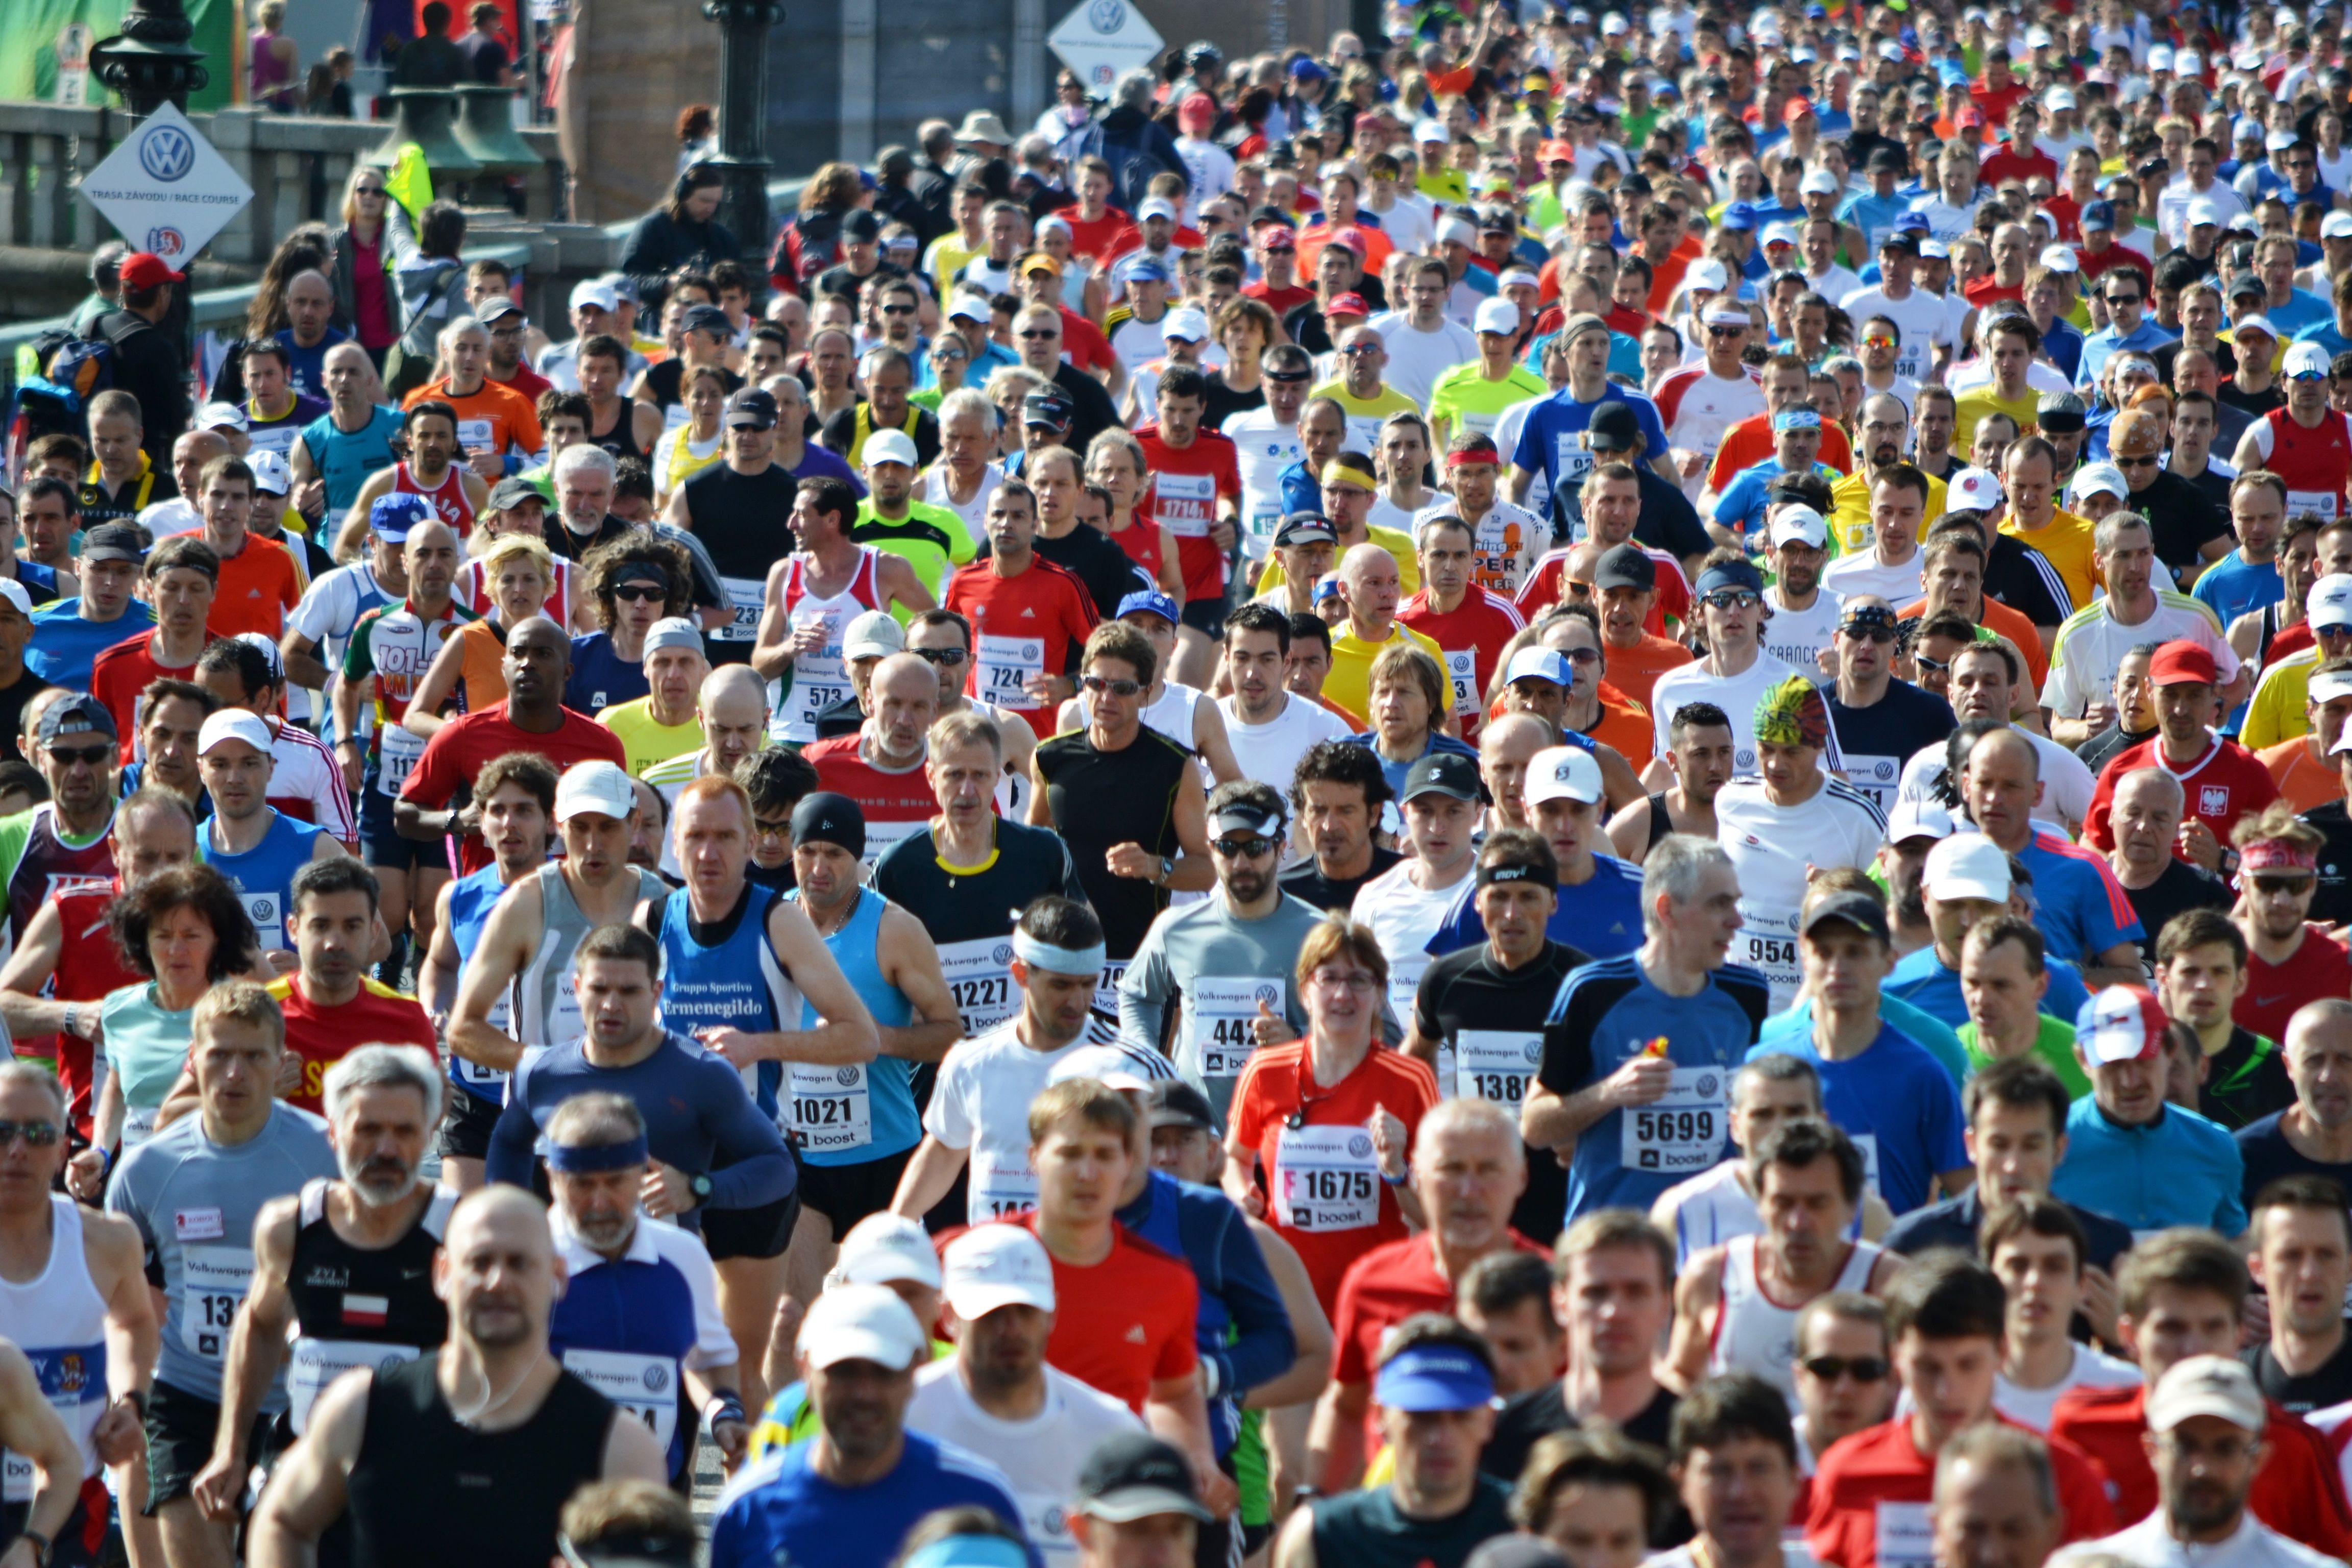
column 971, row 1551
column 1040, row 954
column 574, row 1159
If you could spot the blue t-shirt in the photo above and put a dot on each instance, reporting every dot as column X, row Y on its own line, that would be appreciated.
column 345, row 458
column 2233, row 585
column 1301, row 491
column 1740, row 504
column 2303, row 309
column 2262, row 1146
column 600, row 676
column 2326, row 336
column 1921, row 979
column 2178, row 1170
column 307, row 374
column 1931, row 1034
column 1895, row 1101
column 779, row 1510
column 2078, row 905
column 1600, row 917
column 1243, row 1331
column 64, row 645
column 1608, row 1013
column 1440, row 744
column 1550, row 441
column 2063, row 344
column 1874, row 215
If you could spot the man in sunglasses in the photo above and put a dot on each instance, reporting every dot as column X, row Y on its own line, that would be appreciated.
column 2128, row 328
column 64, row 842
column 1735, row 673
column 1881, row 722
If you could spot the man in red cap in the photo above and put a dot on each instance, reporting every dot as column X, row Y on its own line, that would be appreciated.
column 146, row 364
column 2289, row 961
column 2225, row 783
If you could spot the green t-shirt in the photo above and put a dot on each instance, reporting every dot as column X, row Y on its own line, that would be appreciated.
column 1466, row 400
column 929, row 538
column 2055, row 1045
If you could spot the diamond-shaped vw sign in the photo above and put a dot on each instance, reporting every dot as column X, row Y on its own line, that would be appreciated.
column 1100, row 39
column 166, row 189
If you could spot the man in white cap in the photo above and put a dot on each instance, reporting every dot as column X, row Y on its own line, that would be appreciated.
column 863, row 1476
column 2194, row 184
column 886, row 1249
column 1184, row 339
column 594, row 311
column 2307, row 442
column 665, row 723
column 1804, row 614
column 257, row 847
column 2209, row 1423
column 1422, row 343
column 1965, row 879
column 998, row 1396
column 1699, row 403
column 931, row 538
column 1472, row 396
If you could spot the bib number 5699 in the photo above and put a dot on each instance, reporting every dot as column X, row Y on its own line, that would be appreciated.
column 1693, row 1126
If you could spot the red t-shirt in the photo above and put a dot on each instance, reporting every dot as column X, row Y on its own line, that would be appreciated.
column 1470, row 635
column 1141, row 541
column 1182, row 498
column 1281, row 301
column 2228, row 783
column 2298, row 1492
column 1032, row 622
column 1331, row 1179
column 1541, row 590
column 90, row 965
column 323, row 1037
column 1750, row 442
column 2294, row 639
column 895, row 805
column 1385, row 1287
column 2008, row 164
column 2069, row 213
column 1877, row 1477
column 1124, row 1323
column 2319, row 968
column 1093, row 238
column 1995, row 103
column 1083, row 343
column 2108, row 261
column 120, row 676
column 527, row 383
column 1984, row 290
column 457, row 751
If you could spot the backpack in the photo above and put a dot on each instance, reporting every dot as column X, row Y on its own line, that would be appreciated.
column 65, row 373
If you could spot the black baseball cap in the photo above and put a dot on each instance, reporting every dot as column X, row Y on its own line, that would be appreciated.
column 80, row 714
column 1048, row 410
column 1860, row 911
column 1135, row 1476
column 1614, row 427
column 1175, row 1103
column 860, row 223
column 1442, row 773
column 514, row 491
column 751, row 409
column 1304, row 528
column 1625, row 566
column 707, row 319
column 114, row 541
column 2062, row 412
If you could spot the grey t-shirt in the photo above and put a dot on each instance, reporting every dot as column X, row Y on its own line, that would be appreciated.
column 195, row 1202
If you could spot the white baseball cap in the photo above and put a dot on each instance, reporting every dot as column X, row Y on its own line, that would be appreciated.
column 1819, row 183
column 220, row 417
column 1563, row 772
column 1187, row 324
column 2337, row 225
column 873, row 634
column 1104, row 1064
column 1157, row 206
column 1780, row 234
column 883, row 1248
column 2098, row 479
column 2329, row 603
column 2058, row 98
column 236, row 724
column 2304, row 359
column 1706, row 273
column 1459, row 230
column 1918, row 819
column 2207, row 1385
column 1973, row 489
column 1798, row 524
column 2255, row 323
column 270, row 475
column 993, row 1266
column 14, row 592
column 597, row 786
column 863, row 1322
column 2329, row 687
column 889, row 446
column 2060, row 258
column 1500, row 316
column 1967, row 866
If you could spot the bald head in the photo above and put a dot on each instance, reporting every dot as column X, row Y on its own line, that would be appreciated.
column 1366, row 564
column 906, row 698
column 908, row 677
column 1514, row 738
column 2005, row 748
column 733, row 694
column 496, row 1269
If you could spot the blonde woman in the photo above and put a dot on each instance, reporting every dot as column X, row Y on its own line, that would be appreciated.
column 519, row 573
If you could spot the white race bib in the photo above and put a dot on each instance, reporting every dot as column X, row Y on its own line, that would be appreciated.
column 1682, row 1133
column 476, row 436
column 1186, row 503
column 1767, row 943
column 1006, row 666
column 212, row 1287
column 1448, row 1070
column 979, row 977
column 998, row 1191
column 1220, row 1014
column 1462, row 668
column 644, row 1385
column 1107, row 988
column 1868, row 1144
column 2326, row 503
column 829, row 1109
column 311, row 1364
column 396, row 755
column 1326, row 1179
column 820, row 679
column 745, row 599
column 266, row 911
column 1497, row 1065
column 1906, row 1537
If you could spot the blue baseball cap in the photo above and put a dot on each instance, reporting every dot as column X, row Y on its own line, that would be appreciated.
column 1433, row 1377
column 391, row 516
column 2098, row 214
column 1153, row 600
column 1739, row 217
column 1734, row 575
column 1911, row 223
column 1144, row 269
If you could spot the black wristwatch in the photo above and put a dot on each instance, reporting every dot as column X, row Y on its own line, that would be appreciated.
column 42, row 1546
column 700, row 1187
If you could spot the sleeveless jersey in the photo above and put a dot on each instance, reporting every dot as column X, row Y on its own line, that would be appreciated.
column 819, row 680
column 733, row 980
column 1170, row 713
column 264, row 875
column 470, row 590
column 545, row 1010
column 447, row 498
column 390, row 649
column 356, row 1306
column 896, row 804
column 470, row 897
column 59, row 1321
column 621, row 440
column 1755, row 1333
column 46, row 863
column 933, row 488
column 345, row 458
column 2314, row 463
column 848, row 1115
column 430, row 1489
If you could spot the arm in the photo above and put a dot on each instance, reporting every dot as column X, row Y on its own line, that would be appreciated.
column 1209, row 739
column 845, row 1034
column 504, row 949
column 1522, row 480
column 1696, row 1296
column 22, row 1013
column 299, row 655
column 2118, row 965
column 118, row 1266
column 927, row 1178
column 1310, row 1368
column 772, row 650
column 631, row 1454
column 350, row 540
column 257, row 1344
column 911, row 963
column 1263, row 1347
column 1628, row 830
column 1171, row 572
column 32, row 1428
column 1175, row 1410
column 310, row 1486
column 893, row 579
column 1335, row 1442
column 1041, row 808
column 513, row 1152
column 1192, row 871
column 439, row 685
column 649, row 425
column 1295, row 1547
column 436, row 980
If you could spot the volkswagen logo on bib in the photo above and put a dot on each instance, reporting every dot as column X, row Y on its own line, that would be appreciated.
column 846, row 1077
column 1002, row 952
column 1270, row 994
column 1706, row 1086
column 263, row 909
column 1360, row 1145
column 1030, row 651
column 1885, row 768
column 656, row 1378
column 1533, row 1051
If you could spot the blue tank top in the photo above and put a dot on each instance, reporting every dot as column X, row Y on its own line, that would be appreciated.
column 345, row 458
column 264, row 875
column 733, row 980
column 849, row 1115
column 470, row 897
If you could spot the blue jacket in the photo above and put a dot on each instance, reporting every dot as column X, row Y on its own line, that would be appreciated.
column 1244, row 1331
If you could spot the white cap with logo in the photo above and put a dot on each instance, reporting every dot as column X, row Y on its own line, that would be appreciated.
column 993, row 1266
column 598, row 786
column 2214, row 1386
column 884, row 1248
column 236, row 724
column 862, row 1322
column 1563, row 772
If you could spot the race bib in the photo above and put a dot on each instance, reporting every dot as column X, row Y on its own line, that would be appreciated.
column 1570, row 458
column 1877, row 777
column 644, row 1385
column 212, row 1287
column 1405, row 981
column 1326, row 1179
column 474, row 435
column 1448, row 1070
column 1867, row 1144
column 1185, row 504
column 1005, row 668
column 1906, row 1537
column 980, row 978
column 1220, row 1015
column 73, row 1380
column 1497, row 1065
column 1107, row 988
column 266, row 911
column 311, row 1364
column 745, row 599
column 396, row 755
column 830, row 1109
column 997, row 1190
column 1768, row 943
column 2326, row 503
column 819, row 680
column 1682, row 1133
column 1462, row 670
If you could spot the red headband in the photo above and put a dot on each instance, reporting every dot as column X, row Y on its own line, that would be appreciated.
column 2277, row 855
column 1470, row 460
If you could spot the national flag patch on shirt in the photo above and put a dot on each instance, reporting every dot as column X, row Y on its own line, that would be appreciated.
column 365, row 1311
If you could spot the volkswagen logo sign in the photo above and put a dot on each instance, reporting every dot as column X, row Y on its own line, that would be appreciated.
column 1106, row 15
column 1360, row 1145
column 167, row 152
column 656, row 1378
column 1002, row 952
column 1885, row 768
column 1533, row 1051
column 1030, row 651
column 1270, row 994
column 846, row 1077
column 1706, row 1086
column 264, row 910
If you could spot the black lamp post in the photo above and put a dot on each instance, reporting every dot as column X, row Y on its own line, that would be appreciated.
column 150, row 62
column 742, row 159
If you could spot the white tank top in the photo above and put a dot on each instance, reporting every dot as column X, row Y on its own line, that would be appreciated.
column 59, row 1321
column 821, row 678
column 1755, row 1333
column 1714, row 1207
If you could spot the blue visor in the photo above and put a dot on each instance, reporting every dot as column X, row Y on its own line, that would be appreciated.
column 1433, row 1377
column 1731, row 575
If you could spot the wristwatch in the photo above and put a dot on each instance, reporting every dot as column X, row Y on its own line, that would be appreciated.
column 42, row 1546
column 700, row 1187
column 1167, row 869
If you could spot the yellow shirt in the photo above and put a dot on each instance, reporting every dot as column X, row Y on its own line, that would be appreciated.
column 1977, row 402
column 2278, row 711
column 1349, row 684
column 1849, row 529
column 646, row 740
column 2066, row 541
column 1395, row 541
column 1365, row 414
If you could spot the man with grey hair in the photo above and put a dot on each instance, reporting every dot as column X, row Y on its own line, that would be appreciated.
column 966, row 473
column 637, row 1356
column 346, row 1264
column 1993, row 1486
column 732, row 709
column 582, row 475
column 1639, row 1050
column 2144, row 822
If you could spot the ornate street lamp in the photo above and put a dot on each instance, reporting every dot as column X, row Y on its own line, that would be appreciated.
column 150, row 63
column 742, row 157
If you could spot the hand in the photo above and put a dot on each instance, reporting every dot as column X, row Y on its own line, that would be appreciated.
column 740, row 1048
column 1221, row 534
column 2099, row 715
column 347, row 757
column 1045, row 691
column 1219, row 1495
column 91, row 1023
column 310, row 498
column 733, row 1438
column 808, row 637
column 2198, row 843
column 2099, row 1304
column 1132, row 860
column 1267, row 1029
column 1388, row 1141
column 667, row 1191
column 466, row 821
column 119, row 1435
column 1642, row 1081
column 86, row 1174
column 489, row 465
column 218, row 1489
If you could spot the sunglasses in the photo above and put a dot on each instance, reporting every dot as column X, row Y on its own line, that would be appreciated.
column 773, row 829
column 640, row 593
column 2115, row 300
column 1829, row 1368
column 1878, row 340
column 940, row 655
column 2148, row 462
column 1726, row 331
column 1037, row 335
column 2283, row 884
column 1243, row 848
column 1739, row 599
column 36, row 1134
column 897, row 309
column 377, row 191
column 1359, row 349
column 67, row 756
column 1868, row 633
column 1118, row 689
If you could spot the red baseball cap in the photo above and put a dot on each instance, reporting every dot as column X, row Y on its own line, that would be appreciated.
column 145, row 269
column 1349, row 240
column 2182, row 663
column 1795, row 109
column 1349, row 304
column 1197, row 106
column 2121, row 1024
column 1555, row 152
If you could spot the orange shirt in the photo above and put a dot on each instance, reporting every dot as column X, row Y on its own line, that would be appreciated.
column 482, row 677
column 259, row 586
column 2302, row 781
column 1124, row 1323
column 1624, row 724
column 1750, row 442
column 2009, row 623
column 496, row 419
column 1635, row 671
column 1324, row 1195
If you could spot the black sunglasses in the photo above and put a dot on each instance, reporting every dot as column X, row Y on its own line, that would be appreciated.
column 1243, row 848
column 1829, row 1368
column 36, row 1134
column 67, row 756
column 940, row 655
column 640, row 593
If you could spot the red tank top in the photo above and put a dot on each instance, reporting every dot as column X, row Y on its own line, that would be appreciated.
column 90, row 965
column 2314, row 463
column 896, row 806
column 448, row 497
column 1141, row 539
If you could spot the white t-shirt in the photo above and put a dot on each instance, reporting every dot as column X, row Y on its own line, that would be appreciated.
column 165, row 518
column 1507, row 425
column 1263, row 447
column 1404, row 917
column 1863, row 573
column 2090, row 648
column 1775, row 848
column 1212, row 168
column 1737, row 694
column 1796, row 636
column 1410, row 224
column 1834, row 284
column 329, row 610
column 974, row 511
column 1137, row 343
column 980, row 1103
column 1947, row 221
column 2067, row 784
column 1041, row 1457
column 2033, row 1406
column 1699, row 407
column 1416, row 359
column 1270, row 751
column 1922, row 321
